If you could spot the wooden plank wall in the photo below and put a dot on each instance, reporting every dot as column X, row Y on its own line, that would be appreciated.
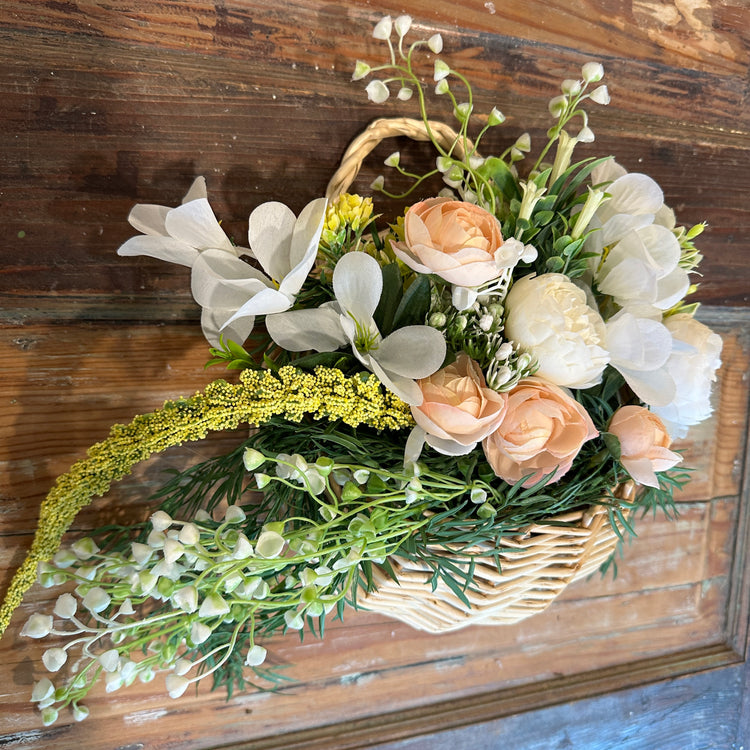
column 107, row 104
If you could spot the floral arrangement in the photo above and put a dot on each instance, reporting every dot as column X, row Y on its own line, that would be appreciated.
column 512, row 348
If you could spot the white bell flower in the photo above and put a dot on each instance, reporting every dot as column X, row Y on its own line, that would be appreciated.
column 177, row 235
column 397, row 360
column 232, row 292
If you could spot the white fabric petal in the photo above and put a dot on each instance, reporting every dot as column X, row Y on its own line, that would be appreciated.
column 213, row 322
column 654, row 387
column 269, row 232
column 195, row 224
column 307, row 231
column 609, row 171
column 449, row 447
column 265, row 302
column 407, row 390
column 662, row 247
column 412, row 351
column 300, row 330
column 223, row 281
column 672, row 288
column 163, row 248
column 358, row 284
column 632, row 194
column 463, row 297
column 149, row 218
column 637, row 343
column 414, row 445
column 197, row 190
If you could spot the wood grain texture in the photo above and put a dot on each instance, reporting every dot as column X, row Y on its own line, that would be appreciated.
column 106, row 105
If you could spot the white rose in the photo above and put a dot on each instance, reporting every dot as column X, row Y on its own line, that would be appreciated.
column 695, row 358
column 548, row 316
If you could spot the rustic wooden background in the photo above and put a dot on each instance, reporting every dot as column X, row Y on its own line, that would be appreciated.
column 105, row 104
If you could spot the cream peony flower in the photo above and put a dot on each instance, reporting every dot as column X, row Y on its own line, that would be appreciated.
column 541, row 433
column 549, row 317
column 644, row 444
column 693, row 362
column 458, row 409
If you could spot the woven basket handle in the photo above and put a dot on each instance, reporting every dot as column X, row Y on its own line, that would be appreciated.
column 381, row 129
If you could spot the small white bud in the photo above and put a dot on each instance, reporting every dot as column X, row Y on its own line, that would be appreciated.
column 585, row 135
column 378, row 183
column 42, row 690
column 496, row 117
column 486, row 322
column 393, row 159
column 253, row 459
column 173, row 551
column 110, row 660
column 442, row 87
column 478, row 495
column 182, row 667
column 126, row 608
column 141, row 552
column 84, row 548
column 261, row 480
column 383, row 28
column 176, row 685
column 161, row 521
column 112, row 681
column 377, row 91
column 202, row 515
column 463, row 111
column 96, row 599
column 361, row 69
column 80, row 712
column 54, row 658
column 156, row 539
column 64, row 558
column 293, row 620
column 65, row 606
column 49, row 716
column 435, row 43
column 404, row 94
column 37, row 626
column 557, row 105
column 402, row 24
column 523, row 143
column 360, row 476
column 186, row 598
column 270, row 544
column 255, row 656
column 600, row 95
column 571, row 86
column 234, row 514
column 441, row 70
column 213, row 606
column 592, row 72
column 189, row 534
column 505, row 350
column 199, row 632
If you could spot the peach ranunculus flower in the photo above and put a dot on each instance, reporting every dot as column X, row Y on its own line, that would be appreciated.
column 542, row 432
column 460, row 242
column 458, row 407
column 644, row 444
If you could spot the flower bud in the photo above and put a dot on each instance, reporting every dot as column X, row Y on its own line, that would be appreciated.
column 361, row 69
column 96, row 599
column 37, row 626
column 186, row 598
column 54, row 658
column 213, row 606
column 383, row 28
column 176, row 685
column 161, row 521
column 234, row 514
column 600, row 95
column 404, row 94
column 84, row 548
column 402, row 24
column 65, row 606
column 252, row 459
column 199, row 632
column 435, row 43
column 592, row 72
column 496, row 117
column 255, row 656
column 441, row 70
column 377, row 91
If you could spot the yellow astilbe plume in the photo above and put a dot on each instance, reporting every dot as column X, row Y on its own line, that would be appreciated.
column 325, row 394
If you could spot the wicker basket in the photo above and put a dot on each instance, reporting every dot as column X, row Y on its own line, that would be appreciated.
column 537, row 562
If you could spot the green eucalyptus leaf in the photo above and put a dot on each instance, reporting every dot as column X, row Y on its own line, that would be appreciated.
column 613, row 444
column 555, row 264
column 500, row 173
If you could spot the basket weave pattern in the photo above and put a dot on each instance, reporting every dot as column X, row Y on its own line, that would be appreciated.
column 536, row 565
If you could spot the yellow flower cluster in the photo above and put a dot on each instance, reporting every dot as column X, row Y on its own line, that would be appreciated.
column 353, row 210
column 325, row 394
